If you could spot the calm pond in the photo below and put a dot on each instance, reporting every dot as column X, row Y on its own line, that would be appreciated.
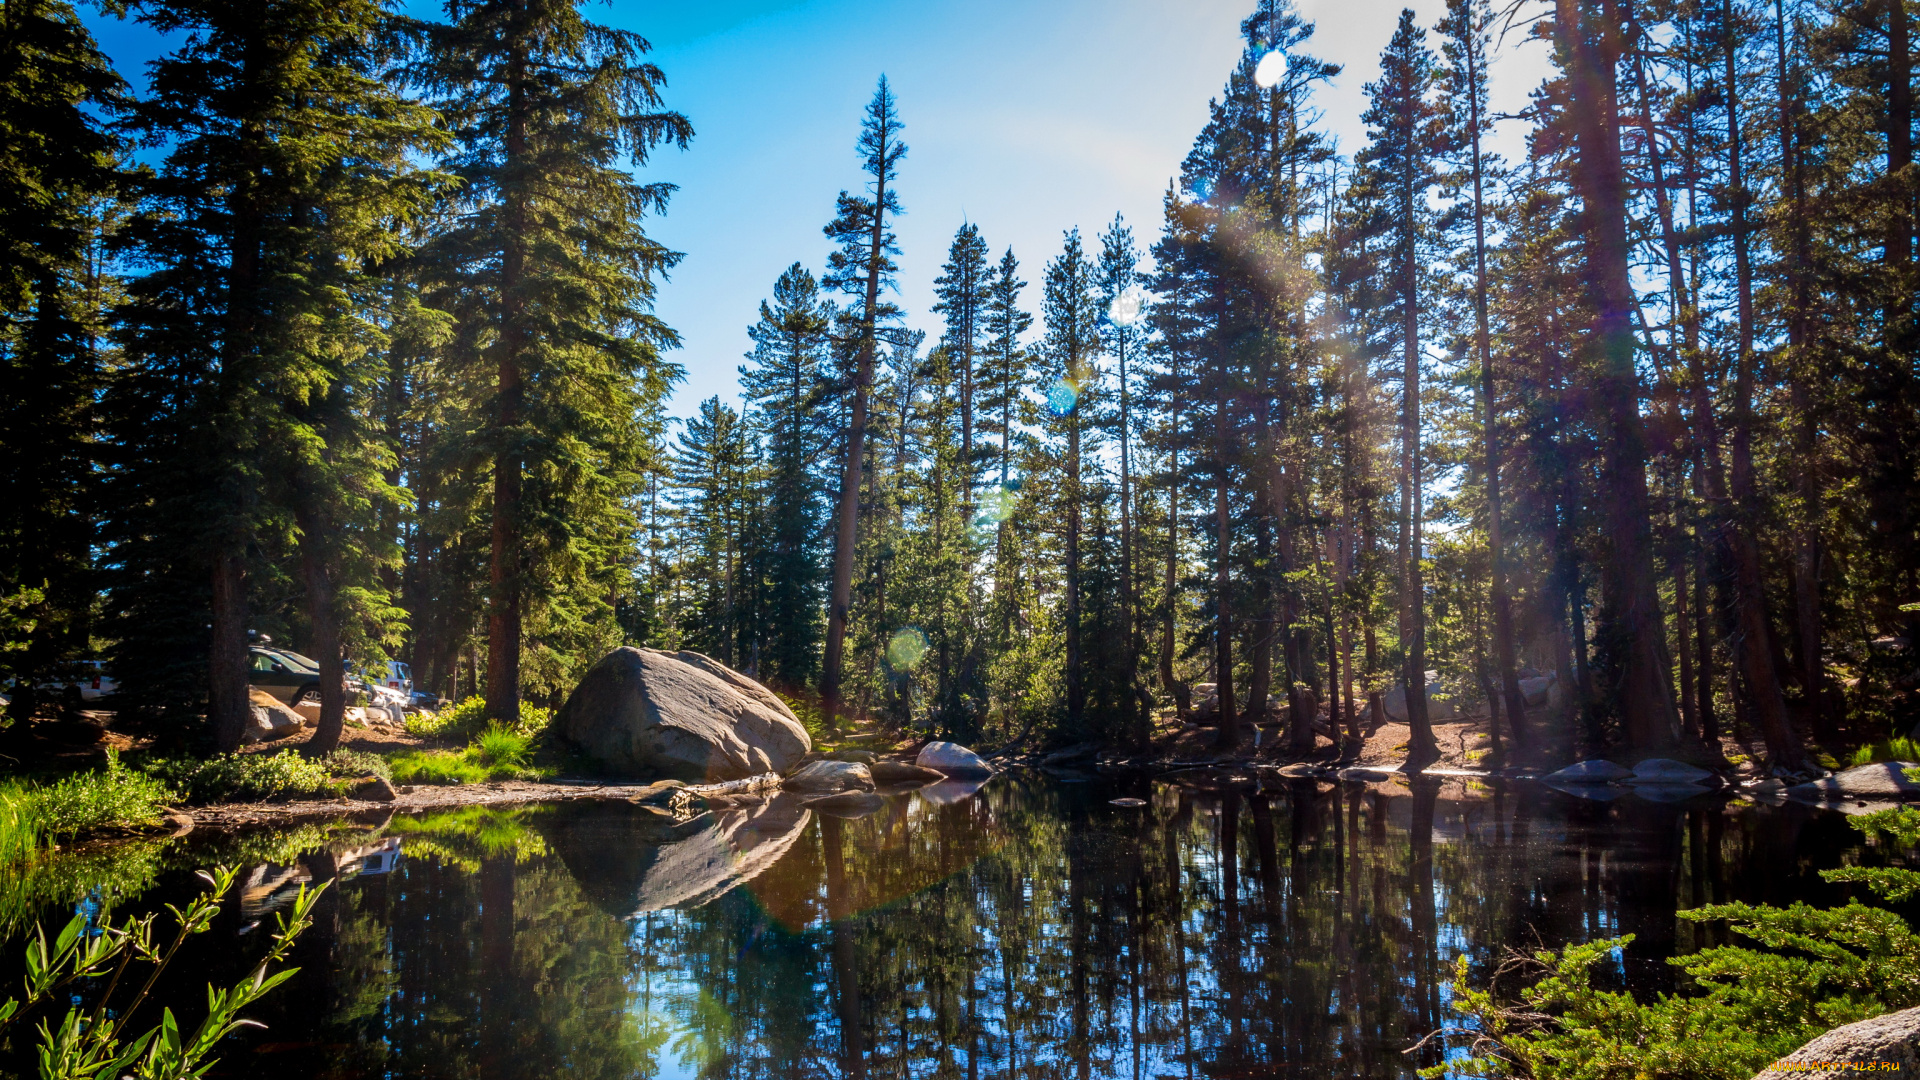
column 1027, row 928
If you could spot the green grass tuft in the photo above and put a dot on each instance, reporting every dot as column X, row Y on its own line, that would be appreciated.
column 468, row 720
column 501, row 746
column 1894, row 749
column 436, row 767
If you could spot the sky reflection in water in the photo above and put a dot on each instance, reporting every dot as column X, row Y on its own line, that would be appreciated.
column 1027, row 928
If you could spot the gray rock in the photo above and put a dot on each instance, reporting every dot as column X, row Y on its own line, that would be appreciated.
column 1667, row 771
column 952, row 759
column 1890, row 1040
column 858, row 757
column 1537, row 691
column 374, row 789
column 649, row 713
column 1879, row 782
column 178, row 822
column 899, row 772
column 1076, row 753
column 1440, row 707
column 825, row 777
column 1364, row 775
column 269, row 719
column 1592, row 771
column 1127, row 801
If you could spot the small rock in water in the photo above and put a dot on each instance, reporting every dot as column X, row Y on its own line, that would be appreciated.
column 858, row 757
column 952, row 759
column 830, row 776
column 899, row 772
column 1127, row 801
column 1668, row 771
column 1594, row 771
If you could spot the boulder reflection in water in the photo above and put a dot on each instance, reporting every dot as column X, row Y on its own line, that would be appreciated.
column 631, row 863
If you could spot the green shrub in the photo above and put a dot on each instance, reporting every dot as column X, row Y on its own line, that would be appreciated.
column 1807, row 971
column 354, row 764
column 468, row 720
column 246, row 777
column 113, row 798
column 1894, row 749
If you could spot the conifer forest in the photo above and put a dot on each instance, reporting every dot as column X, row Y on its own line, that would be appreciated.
column 337, row 323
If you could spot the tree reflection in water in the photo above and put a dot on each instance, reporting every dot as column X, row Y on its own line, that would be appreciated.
column 1027, row 930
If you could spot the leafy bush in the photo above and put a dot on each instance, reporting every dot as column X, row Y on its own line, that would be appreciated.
column 246, row 777
column 1812, row 970
column 468, row 720
column 1894, row 749
column 354, row 764
column 114, row 798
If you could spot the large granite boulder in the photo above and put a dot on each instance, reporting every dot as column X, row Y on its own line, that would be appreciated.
column 1885, row 1045
column 1667, row 772
column 1883, row 781
column 953, row 760
column 647, row 713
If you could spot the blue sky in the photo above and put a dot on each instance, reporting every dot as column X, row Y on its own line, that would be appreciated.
column 1027, row 117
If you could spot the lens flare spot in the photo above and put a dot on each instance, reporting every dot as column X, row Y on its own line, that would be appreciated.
column 996, row 504
column 1062, row 396
column 907, row 648
column 1270, row 70
column 1127, row 308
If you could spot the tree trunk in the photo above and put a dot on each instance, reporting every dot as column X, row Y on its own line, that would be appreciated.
column 325, row 643
column 1228, row 733
column 846, row 534
column 1756, row 658
column 503, row 562
column 1076, row 682
column 1501, row 601
column 1422, row 750
column 228, row 707
column 1645, row 695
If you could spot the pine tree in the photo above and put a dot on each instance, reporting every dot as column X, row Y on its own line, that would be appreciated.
column 290, row 166
column 1403, row 124
column 711, row 471
column 1071, row 311
column 57, row 180
column 1467, row 29
column 862, row 268
column 965, row 294
column 1122, row 302
column 552, row 277
column 784, row 380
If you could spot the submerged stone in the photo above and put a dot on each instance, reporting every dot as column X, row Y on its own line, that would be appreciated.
column 1669, row 771
column 1591, row 771
column 899, row 772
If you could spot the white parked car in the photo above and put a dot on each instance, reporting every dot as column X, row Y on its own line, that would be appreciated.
column 393, row 675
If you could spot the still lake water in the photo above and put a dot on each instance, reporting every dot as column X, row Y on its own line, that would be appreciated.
column 1027, row 928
